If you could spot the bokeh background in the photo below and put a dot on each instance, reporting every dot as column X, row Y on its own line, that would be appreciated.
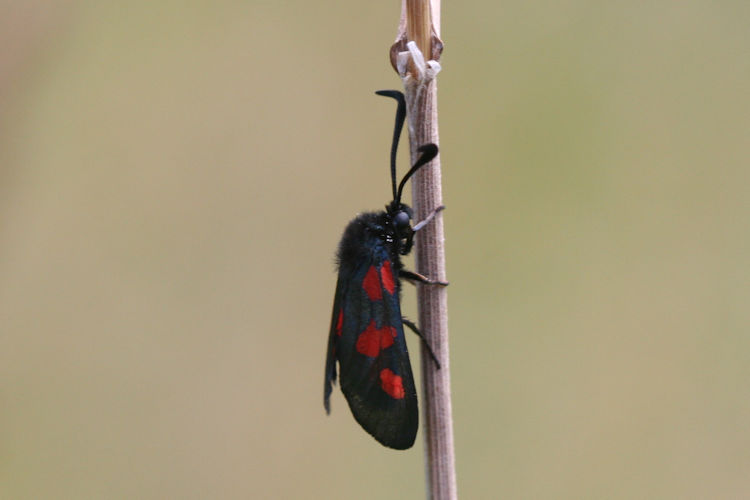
column 174, row 178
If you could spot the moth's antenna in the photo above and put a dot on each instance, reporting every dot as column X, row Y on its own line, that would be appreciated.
column 429, row 151
column 400, row 117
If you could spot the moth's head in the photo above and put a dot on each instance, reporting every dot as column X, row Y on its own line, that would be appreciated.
column 400, row 215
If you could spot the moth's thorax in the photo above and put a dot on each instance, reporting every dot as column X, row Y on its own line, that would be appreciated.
column 374, row 232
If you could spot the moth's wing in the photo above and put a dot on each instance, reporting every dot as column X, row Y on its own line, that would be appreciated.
column 333, row 336
column 375, row 372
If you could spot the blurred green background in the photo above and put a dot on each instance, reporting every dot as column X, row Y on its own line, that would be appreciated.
column 174, row 179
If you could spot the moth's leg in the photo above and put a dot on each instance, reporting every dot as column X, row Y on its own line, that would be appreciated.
column 413, row 278
column 406, row 249
column 414, row 329
column 420, row 225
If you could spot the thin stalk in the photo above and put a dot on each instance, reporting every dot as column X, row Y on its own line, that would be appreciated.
column 420, row 23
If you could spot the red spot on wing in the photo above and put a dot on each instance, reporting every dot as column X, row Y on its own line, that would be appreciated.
column 374, row 340
column 392, row 384
column 387, row 274
column 340, row 322
column 371, row 284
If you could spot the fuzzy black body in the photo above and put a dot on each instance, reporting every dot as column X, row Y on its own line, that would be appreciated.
column 367, row 334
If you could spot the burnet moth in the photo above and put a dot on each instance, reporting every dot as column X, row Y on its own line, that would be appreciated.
column 367, row 329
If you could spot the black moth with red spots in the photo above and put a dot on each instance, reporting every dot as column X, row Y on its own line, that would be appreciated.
column 367, row 329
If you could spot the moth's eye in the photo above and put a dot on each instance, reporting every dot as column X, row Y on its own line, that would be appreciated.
column 401, row 219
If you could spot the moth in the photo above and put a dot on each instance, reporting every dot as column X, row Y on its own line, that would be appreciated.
column 366, row 337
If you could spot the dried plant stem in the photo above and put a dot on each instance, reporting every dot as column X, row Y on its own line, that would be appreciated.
column 433, row 315
column 420, row 24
